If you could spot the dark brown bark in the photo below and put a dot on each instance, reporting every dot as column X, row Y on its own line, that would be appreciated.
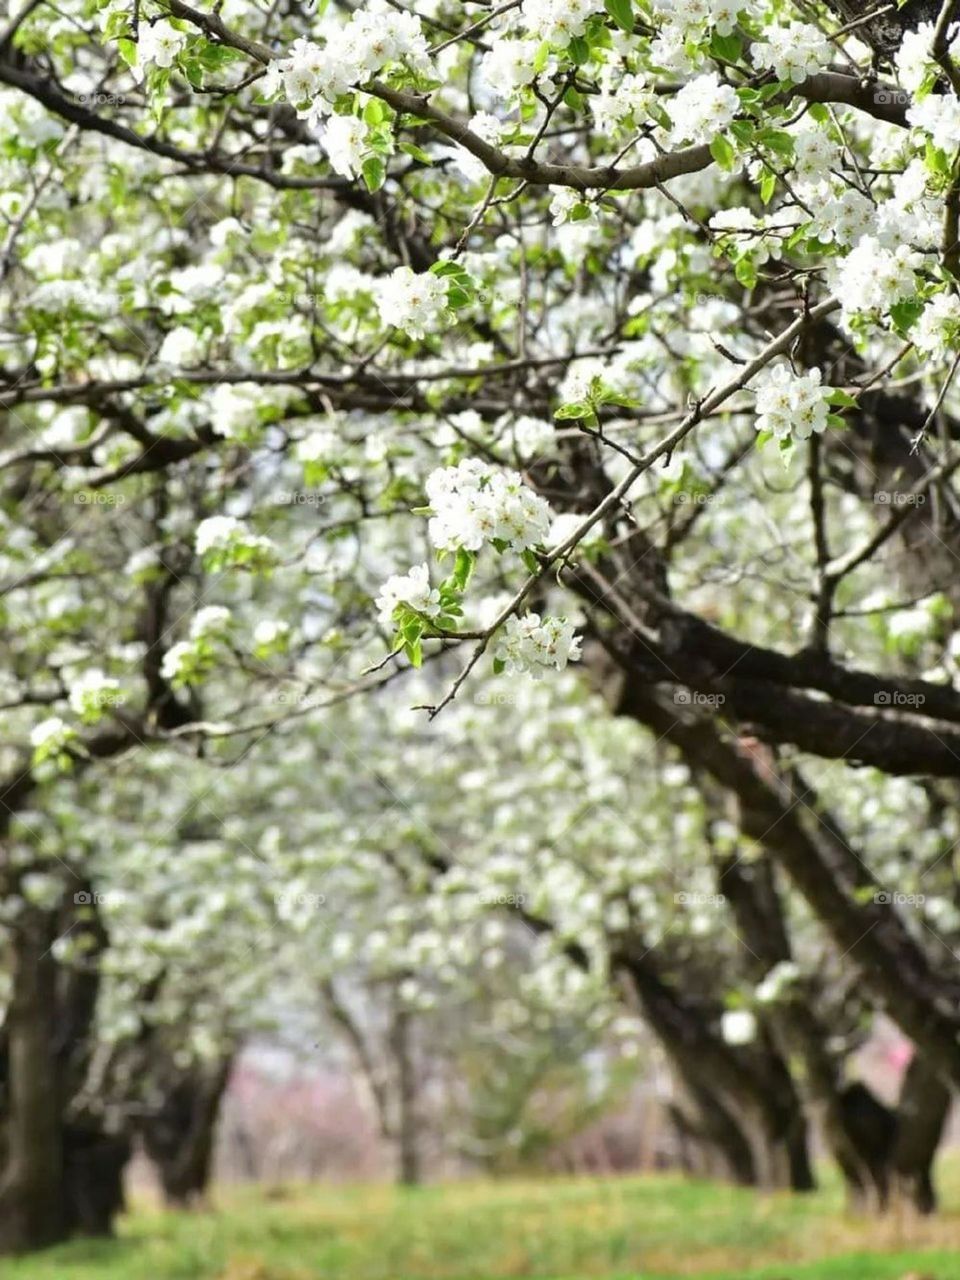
column 31, row 1205
column 179, row 1135
column 921, row 1117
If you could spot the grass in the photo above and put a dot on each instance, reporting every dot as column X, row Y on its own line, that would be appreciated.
column 657, row 1228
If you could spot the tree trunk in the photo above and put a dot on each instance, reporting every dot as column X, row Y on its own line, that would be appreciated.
column 409, row 1169
column 31, row 1204
column 921, row 1116
column 179, row 1136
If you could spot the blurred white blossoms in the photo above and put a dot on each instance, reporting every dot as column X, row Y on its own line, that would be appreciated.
column 937, row 330
column 414, row 303
column 344, row 140
column 938, row 115
column 914, row 59
column 475, row 502
column 557, row 21
column 780, row 978
column 412, row 589
column 50, row 736
column 872, row 278
column 227, row 536
column 509, row 65
column 738, row 1027
column 313, row 77
column 181, row 349
column 789, row 404
column 534, row 644
column 91, row 692
column 794, row 52
column 702, row 109
column 210, row 621
column 568, row 204
column 159, row 43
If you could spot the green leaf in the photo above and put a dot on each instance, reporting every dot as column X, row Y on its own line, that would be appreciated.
column 573, row 412
column 728, row 47
column 414, row 651
column 579, row 51
column 499, row 666
column 374, row 173
column 127, row 50
column 904, row 313
column 763, row 437
column 463, row 567
column 375, row 112
column 842, row 398
column 746, row 273
column 778, row 140
column 768, row 186
column 621, row 11
column 723, row 152
column 418, row 153
column 836, row 421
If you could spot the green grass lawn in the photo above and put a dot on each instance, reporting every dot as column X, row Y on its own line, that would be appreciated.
column 657, row 1228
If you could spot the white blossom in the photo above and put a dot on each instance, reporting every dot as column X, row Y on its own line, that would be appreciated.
column 702, row 109
column 738, row 1027
column 790, row 404
column 475, row 502
column 532, row 644
column 794, row 52
column 415, row 303
column 412, row 589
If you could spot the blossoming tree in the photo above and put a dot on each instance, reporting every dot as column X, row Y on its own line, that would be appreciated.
column 488, row 339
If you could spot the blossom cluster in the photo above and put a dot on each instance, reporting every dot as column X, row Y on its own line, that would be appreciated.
column 721, row 15
column 476, row 502
column 534, row 644
column 702, row 109
column 790, row 404
column 937, row 330
column 92, row 692
column 314, row 76
column 226, row 540
column 415, row 302
column 158, row 43
column 794, row 52
column 557, row 21
column 411, row 589
column 938, row 115
column 872, row 278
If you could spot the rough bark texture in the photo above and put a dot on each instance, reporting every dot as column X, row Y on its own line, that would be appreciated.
column 179, row 1134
